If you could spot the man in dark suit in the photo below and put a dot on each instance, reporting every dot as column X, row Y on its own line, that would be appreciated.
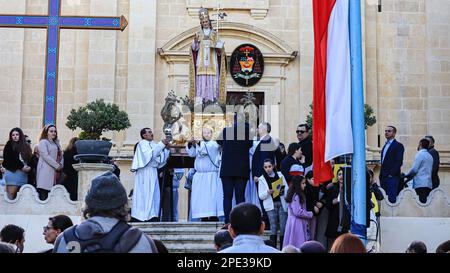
column 436, row 161
column 267, row 148
column 235, row 167
column 304, row 140
column 391, row 163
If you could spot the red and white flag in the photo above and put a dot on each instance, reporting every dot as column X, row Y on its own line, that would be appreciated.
column 332, row 125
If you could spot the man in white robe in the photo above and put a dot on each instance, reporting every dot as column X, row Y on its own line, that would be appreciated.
column 148, row 158
column 251, row 192
column 207, row 191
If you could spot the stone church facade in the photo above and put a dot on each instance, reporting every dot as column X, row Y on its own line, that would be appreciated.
column 406, row 66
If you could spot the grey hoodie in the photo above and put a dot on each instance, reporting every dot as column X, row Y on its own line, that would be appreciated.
column 101, row 225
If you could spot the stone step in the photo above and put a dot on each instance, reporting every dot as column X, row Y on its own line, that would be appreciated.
column 190, row 248
column 185, row 237
column 217, row 225
column 176, row 231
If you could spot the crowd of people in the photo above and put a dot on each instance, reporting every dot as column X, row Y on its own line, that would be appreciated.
column 228, row 171
column 42, row 166
column 236, row 168
column 105, row 230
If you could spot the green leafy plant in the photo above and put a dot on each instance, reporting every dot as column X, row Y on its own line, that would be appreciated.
column 309, row 117
column 369, row 118
column 96, row 118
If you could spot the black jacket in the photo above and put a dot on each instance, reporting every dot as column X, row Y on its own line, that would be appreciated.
column 286, row 164
column 393, row 161
column 435, row 170
column 70, row 174
column 375, row 189
column 312, row 197
column 307, row 151
column 333, row 217
column 11, row 160
column 235, row 152
column 69, row 161
column 266, row 149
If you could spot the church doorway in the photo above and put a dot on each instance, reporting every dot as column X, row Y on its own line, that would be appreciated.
column 234, row 98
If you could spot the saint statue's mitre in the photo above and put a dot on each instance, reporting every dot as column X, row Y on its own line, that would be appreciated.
column 203, row 14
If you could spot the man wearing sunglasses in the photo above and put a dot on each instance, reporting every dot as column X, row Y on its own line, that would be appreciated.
column 391, row 163
column 304, row 140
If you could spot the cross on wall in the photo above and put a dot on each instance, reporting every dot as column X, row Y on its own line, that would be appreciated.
column 53, row 22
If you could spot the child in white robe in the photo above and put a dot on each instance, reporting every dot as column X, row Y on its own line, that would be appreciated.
column 207, row 191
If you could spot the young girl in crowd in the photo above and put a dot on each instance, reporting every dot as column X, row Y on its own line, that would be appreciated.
column 16, row 158
column 50, row 161
column 275, row 207
column 297, row 223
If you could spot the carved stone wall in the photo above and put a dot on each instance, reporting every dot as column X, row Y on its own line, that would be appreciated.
column 408, row 220
column 408, row 205
column 27, row 202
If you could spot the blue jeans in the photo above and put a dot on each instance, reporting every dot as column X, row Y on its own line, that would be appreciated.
column 177, row 176
column 277, row 216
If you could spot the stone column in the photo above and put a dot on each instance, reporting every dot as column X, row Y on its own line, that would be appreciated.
column 140, row 95
column 86, row 172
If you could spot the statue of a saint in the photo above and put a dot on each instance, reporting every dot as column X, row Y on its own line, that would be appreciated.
column 208, row 63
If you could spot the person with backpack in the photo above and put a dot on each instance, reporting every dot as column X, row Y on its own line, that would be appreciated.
column 105, row 228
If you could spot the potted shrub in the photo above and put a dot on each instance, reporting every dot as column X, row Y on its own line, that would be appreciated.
column 94, row 119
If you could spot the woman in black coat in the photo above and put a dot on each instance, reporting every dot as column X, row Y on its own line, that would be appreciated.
column 339, row 213
column 70, row 174
column 16, row 158
column 313, row 203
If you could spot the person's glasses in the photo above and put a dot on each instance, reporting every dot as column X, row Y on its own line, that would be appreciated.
column 46, row 228
column 300, row 132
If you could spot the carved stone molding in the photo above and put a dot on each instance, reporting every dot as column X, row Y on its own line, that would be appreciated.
column 27, row 202
column 258, row 8
column 408, row 205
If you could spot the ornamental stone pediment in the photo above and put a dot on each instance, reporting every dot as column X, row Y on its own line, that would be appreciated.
column 275, row 50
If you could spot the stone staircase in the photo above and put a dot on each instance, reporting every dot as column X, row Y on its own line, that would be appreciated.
column 184, row 237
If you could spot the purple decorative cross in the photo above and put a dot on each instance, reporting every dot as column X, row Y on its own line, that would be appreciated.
column 53, row 22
